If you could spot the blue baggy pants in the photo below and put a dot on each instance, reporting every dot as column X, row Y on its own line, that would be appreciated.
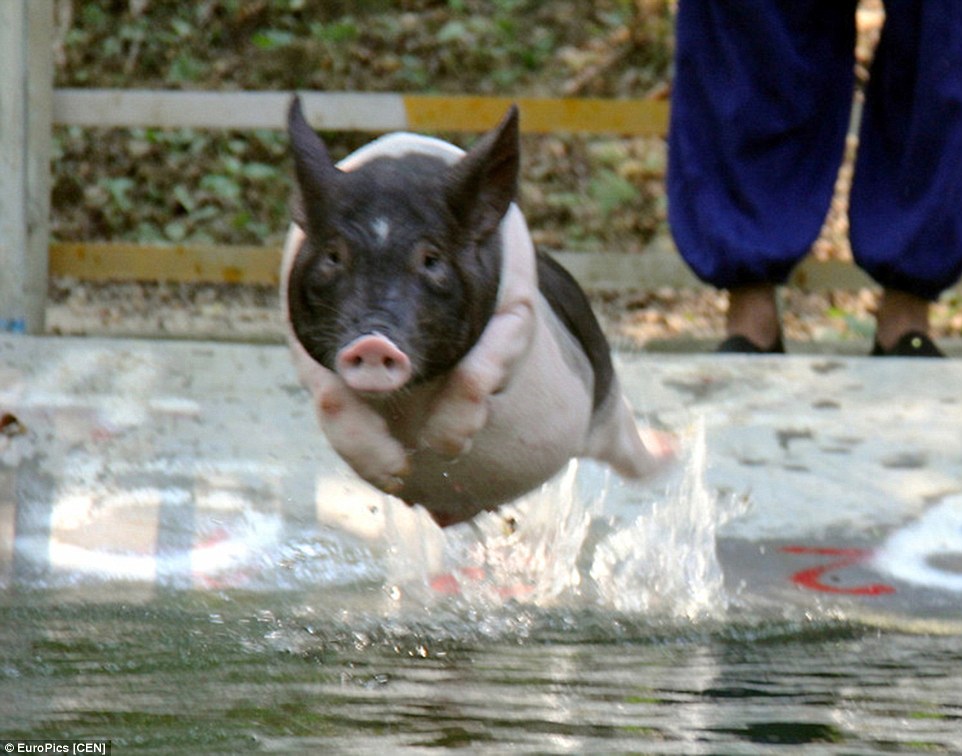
column 760, row 109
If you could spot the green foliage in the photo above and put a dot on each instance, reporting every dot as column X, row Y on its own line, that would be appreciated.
column 611, row 192
column 178, row 185
column 853, row 323
column 188, row 185
column 272, row 39
column 462, row 45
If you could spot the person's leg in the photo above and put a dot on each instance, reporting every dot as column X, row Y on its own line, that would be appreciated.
column 906, row 201
column 752, row 315
column 902, row 326
column 760, row 109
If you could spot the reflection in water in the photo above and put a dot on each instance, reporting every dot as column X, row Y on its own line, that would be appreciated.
column 303, row 671
column 585, row 538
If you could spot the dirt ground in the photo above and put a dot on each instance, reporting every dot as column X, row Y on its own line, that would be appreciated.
column 660, row 319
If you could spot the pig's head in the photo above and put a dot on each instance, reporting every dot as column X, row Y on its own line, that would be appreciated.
column 400, row 269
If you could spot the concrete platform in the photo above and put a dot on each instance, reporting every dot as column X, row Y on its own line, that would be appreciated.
column 176, row 464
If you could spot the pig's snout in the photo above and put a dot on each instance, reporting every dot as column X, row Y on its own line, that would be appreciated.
column 374, row 364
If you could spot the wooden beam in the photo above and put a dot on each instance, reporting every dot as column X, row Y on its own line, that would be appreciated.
column 353, row 111
column 117, row 261
column 659, row 266
column 539, row 115
column 26, row 78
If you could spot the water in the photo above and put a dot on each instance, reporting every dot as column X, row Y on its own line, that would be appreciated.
column 217, row 673
column 233, row 672
column 593, row 617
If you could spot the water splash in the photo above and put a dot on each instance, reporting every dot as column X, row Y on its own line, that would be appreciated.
column 665, row 561
column 583, row 539
column 531, row 550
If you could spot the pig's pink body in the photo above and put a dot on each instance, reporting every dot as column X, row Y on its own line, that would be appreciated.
column 509, row 416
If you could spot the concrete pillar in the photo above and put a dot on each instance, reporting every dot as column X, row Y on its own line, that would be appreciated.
column 26, row 94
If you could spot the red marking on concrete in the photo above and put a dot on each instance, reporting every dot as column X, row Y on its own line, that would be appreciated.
column 812, row 579
column 101, row 433
column 473, row 573
column 219, row 580
column 448, row 584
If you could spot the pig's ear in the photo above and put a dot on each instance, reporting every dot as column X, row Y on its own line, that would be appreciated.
column 315, row 172
column 482, row 185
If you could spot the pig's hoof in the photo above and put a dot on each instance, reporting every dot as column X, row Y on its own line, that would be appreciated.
column 386, row 477
column 389, row 482
column 453, row 449
column 392, row 485
column 451, row 430
column 662, row 446
column 448, row 443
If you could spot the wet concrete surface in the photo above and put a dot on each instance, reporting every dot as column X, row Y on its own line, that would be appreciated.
column 173, row 462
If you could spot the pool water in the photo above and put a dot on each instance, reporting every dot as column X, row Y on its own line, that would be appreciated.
column 232, row 672
column 579, row 632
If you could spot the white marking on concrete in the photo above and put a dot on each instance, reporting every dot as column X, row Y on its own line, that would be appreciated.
column 916, row 552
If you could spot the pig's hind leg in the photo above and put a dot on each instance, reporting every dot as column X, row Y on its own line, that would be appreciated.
column 632, row 452
column 614, row 437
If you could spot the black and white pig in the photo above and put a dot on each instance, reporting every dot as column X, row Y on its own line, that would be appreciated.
column 450, row 364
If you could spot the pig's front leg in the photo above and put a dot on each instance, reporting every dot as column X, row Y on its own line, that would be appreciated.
column 360, row 435
column 461, row 409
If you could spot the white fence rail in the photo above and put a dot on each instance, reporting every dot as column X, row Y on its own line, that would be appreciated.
column 353, row 111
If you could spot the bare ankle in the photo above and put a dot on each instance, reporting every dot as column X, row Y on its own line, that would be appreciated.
column 900, row 313
column 753, row 313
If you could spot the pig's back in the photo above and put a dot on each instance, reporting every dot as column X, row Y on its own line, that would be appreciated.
column 572, row 308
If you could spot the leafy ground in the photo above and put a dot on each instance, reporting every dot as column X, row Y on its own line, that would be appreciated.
column 151, row 185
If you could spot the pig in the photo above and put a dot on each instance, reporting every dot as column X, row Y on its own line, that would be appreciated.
column 450, row 364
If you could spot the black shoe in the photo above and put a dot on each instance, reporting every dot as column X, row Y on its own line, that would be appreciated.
column 743, row 345
column 911, row 344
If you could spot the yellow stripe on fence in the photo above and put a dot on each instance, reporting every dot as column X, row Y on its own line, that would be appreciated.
column 364, row 111
column 659, row 266
column 119, row 261
column 538, row 115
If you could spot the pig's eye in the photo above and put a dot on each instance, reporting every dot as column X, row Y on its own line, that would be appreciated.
column 334, row 254
column 431, row 261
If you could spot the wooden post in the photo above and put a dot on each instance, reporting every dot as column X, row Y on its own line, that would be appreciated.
column 26, row 86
